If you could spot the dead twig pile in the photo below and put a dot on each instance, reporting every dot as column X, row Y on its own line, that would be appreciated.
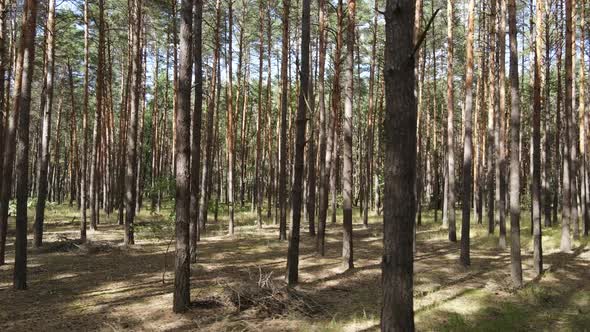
column 65, row 244
column 261, row 296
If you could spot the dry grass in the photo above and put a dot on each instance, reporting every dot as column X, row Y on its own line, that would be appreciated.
column 237, row 284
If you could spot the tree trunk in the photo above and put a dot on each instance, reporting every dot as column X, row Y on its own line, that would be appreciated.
column 73, row 162
column 547, row 189
column 196, row 128
column 283, row 125
column 536, row 180
column 140, row 134
column 370, row 131
column 46, row 125
column 573, row 131
column 490, row 188
column 568, row 194
column 310, row 159
column 347, row 249
column 155, row 132
column 397, row 312
column 584, row 123
column 181, row 300
column 559, row 155
column 94, row 164
column 515, row 259
column 257, row 201
column 500, row 126
column 4, row 83
column 270, row 153
column 297, row 192
column 336, row 103
column 467, row 145
column 83, row 171
column 135, row 93
column 325, row 150
column 22, row 104
column 207, row 163
column 230, row 123
column 450, row 124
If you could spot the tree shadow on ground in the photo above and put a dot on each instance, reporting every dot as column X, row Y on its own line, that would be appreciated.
column 127, row 288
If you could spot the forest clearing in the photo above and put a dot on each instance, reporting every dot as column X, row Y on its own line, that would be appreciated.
column 294, row 165
column 110, row 287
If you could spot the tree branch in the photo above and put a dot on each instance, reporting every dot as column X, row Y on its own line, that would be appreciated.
column 423, row 35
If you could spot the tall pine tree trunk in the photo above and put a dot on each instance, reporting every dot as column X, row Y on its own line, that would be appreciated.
column 4, row 84
column 397, row 313
column 536, row 180
column 336, row 103
column 207, row 163
column 46, row 125
column 500, row 126
column 134, row 100
column 370, row 117
column 230, row 123
column 23, row 108
column 257, row 194
column 450, row 124
column 181, row 298
column 467, row 144
column 568, row 194
column 325, row 149
column 491, row 144
column 515, row 259
column 347, row 186
column 283, row 136
column 196, row 126
column 297, row 190
column 83, row 171
column 94, row 164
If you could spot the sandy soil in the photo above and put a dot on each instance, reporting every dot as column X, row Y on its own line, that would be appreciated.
column 108, row 287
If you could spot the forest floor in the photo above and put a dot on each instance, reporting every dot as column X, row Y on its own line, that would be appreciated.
column 106, row 286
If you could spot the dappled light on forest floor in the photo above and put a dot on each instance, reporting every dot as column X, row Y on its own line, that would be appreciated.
column 238, row 282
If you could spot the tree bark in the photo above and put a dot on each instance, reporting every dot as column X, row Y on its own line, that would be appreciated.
column 491, row 144
column 325, row 150
column 468, row 145
column 23, row 108
column 83, row 171
column 73, row 162
column 230, row 123
column 568, row 194
column 501, row 126
column 94, row 164
column 336, row 104
column 573, row 130
column 536, row 180
column 181, row 299
column 370, row 119
column 46, row 125
column 584, row 123
column 283, row 125
column 515, row 259
column 196, row 126
column 297, row 190
column 4, row 86
column 131, row 159
column 257, row 201
column 347, row 185
column 207, row 163
column 450, row 124
column 397, row 312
